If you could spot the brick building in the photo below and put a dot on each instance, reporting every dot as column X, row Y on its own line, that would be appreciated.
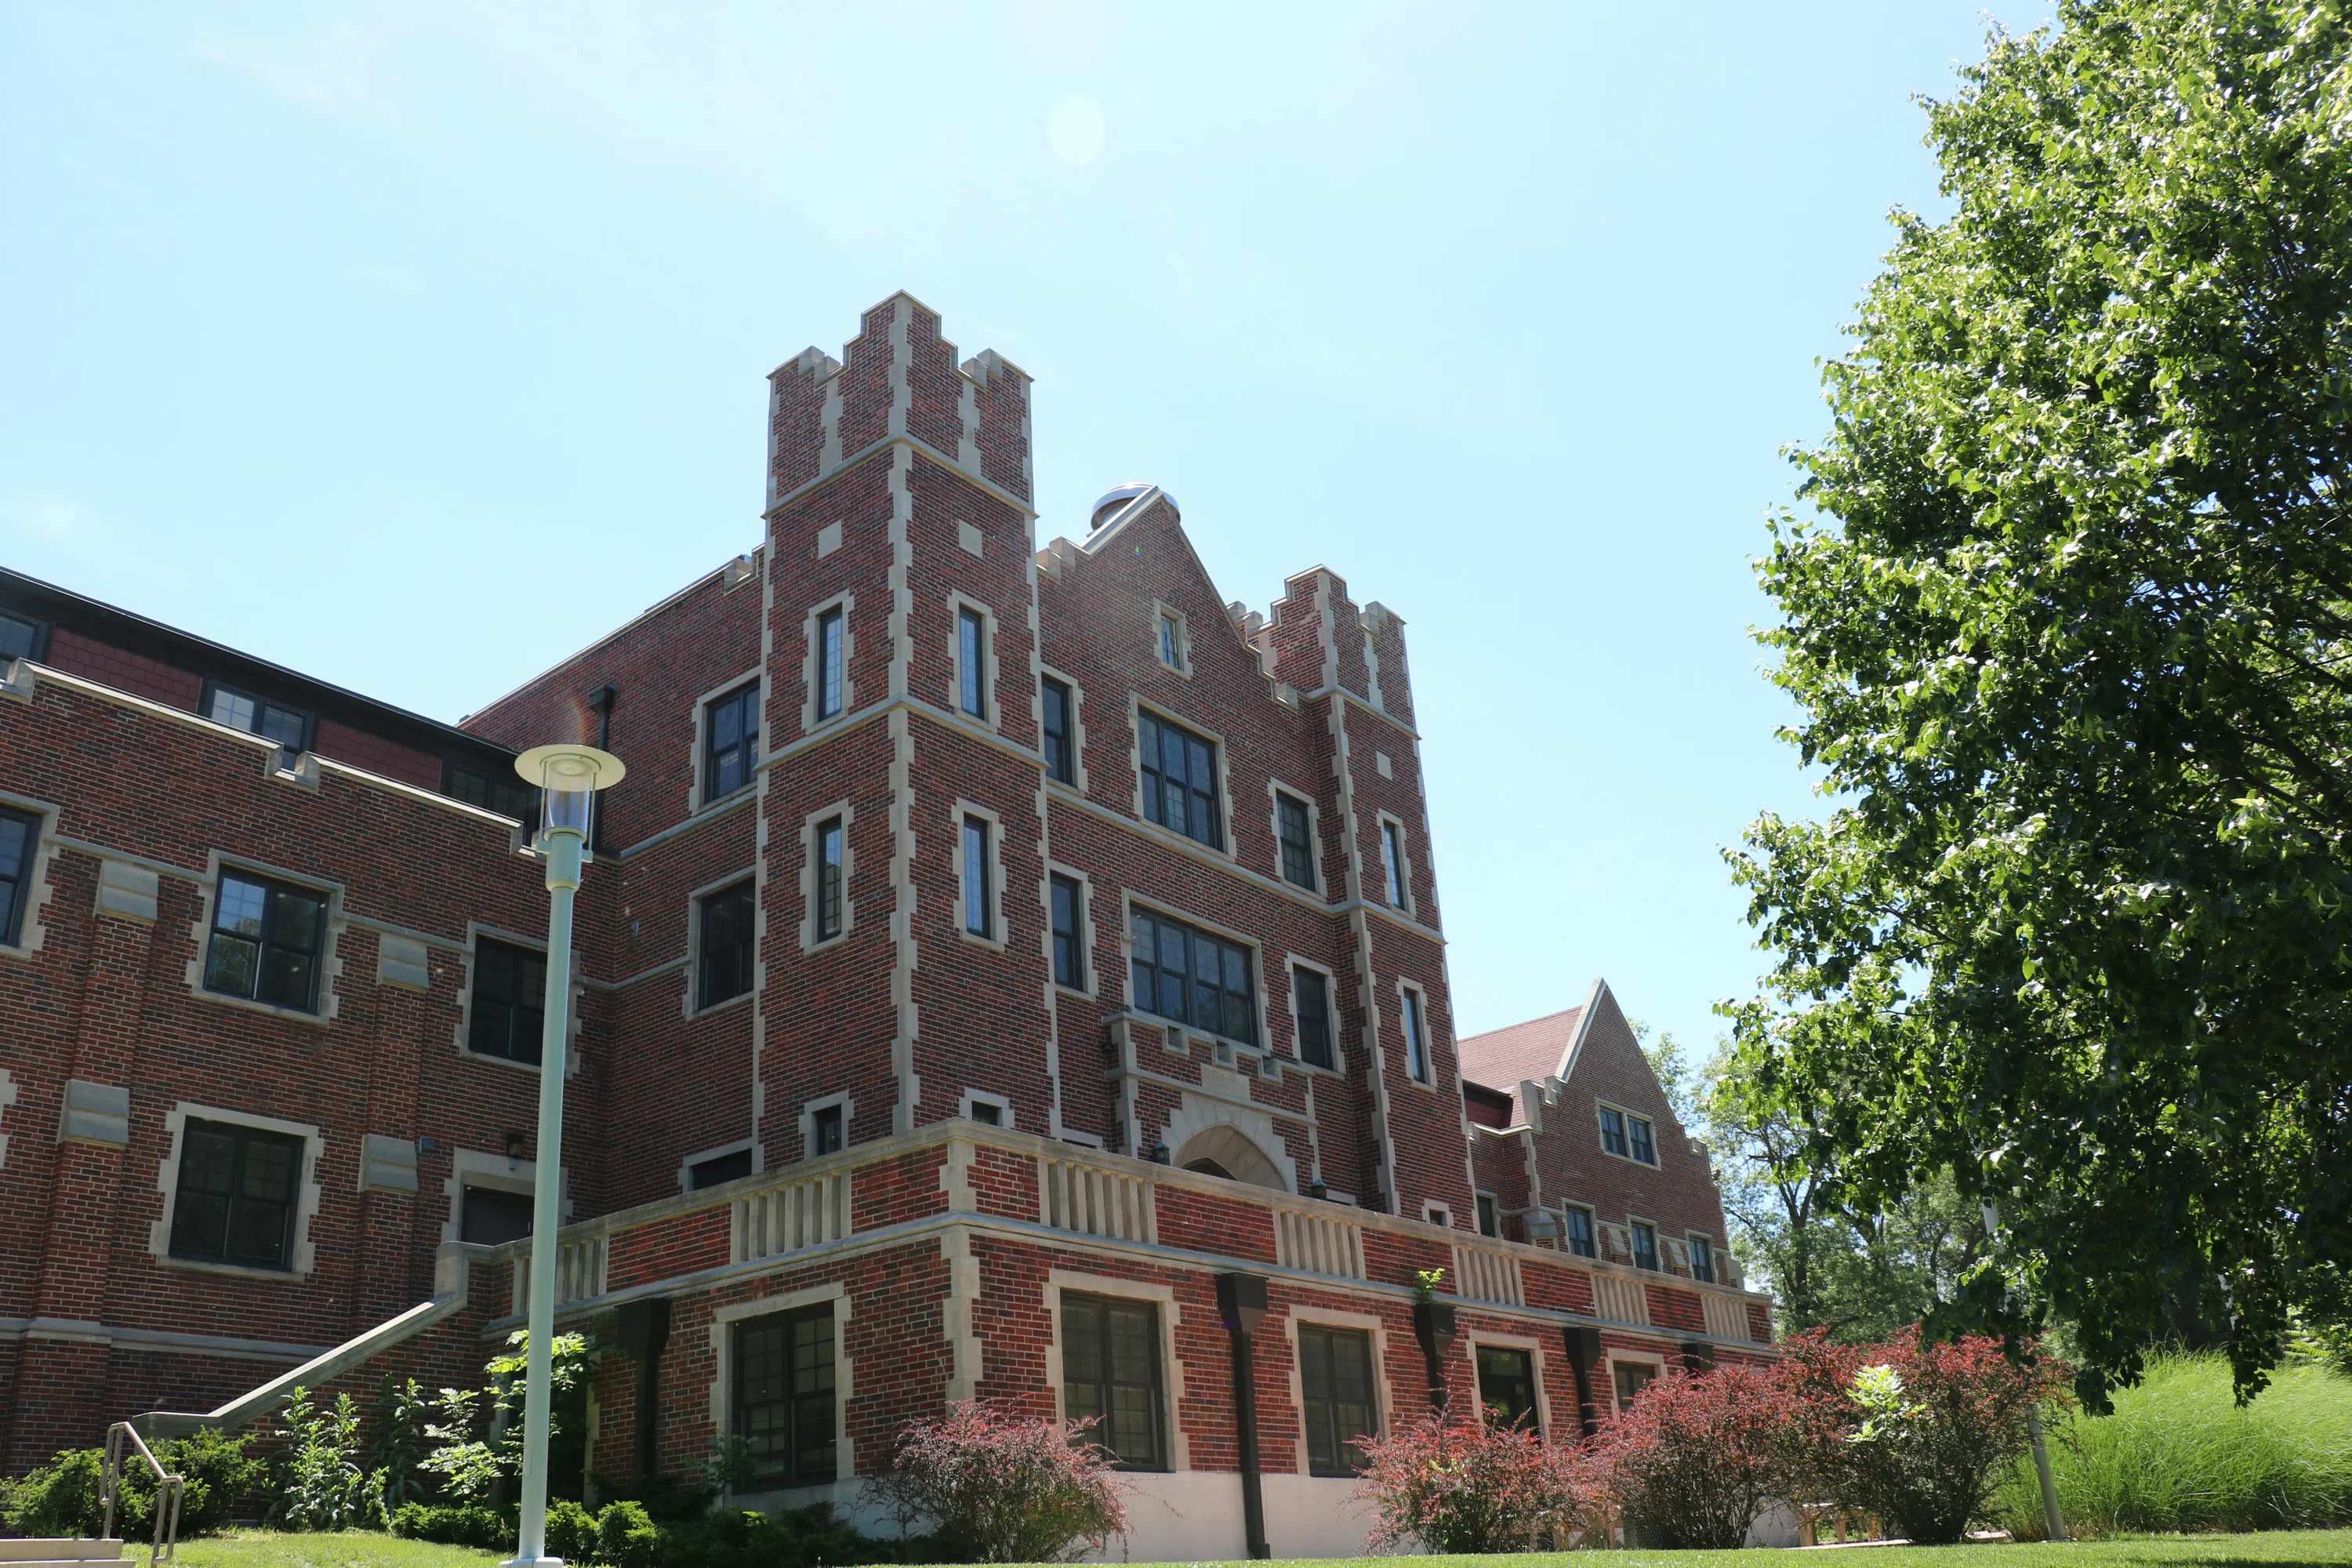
column 992, row 949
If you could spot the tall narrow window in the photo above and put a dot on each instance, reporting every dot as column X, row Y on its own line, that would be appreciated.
column 976, row 912
column 825, row 1131
column 237, row 1194
column 1579, row 1231
column 1194, row 978
column 971, row 643
column 1612, row 1131
column 17, row 834
column 1335, row 1379
column 725, row 957
column 1171, row 640
column 1180, row 780
column 1392, row 851
column 1506, row 1385
column 784, row 1396
column 289, row 727
column 1489, row 1222
column 730, row 740
column 1110, row 1371
column 1645, row 1243
column 828, row 664
column 1061, row 737
column 264, row 943
column 1702, row 1256
column 1297, row 848
column 507, row 1017
column 1314, row 993
column 19, row 638
column 1637, row 1133
column 1070, row 938
column 1416, row 1038
column 828, row 879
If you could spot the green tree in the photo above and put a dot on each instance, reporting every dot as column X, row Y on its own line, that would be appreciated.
column 2070, row 642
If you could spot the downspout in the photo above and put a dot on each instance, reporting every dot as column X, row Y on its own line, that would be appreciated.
column 602, row 701
column 643, row 1332
column 1241, row 1302
column 1584, row 1356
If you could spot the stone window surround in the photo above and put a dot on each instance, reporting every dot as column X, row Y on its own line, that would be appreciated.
column 1608, row 1370
column 32, row 929
column 475, row 932
column 1078, row 729
column 686, row 1167
column 1437, row 1213
column 1130, row 900
column 1275, row 789
column 999, row 919
column 695, row 802
column 992, row 668
column 1404, row 903
column 1172, row 1370
column 1339, row 1067
column 1495, row 1202
column 811, row 676
column 722, row 1380
column 304, row 1255
column 1599, row 1105
column 841, row 1102
column 688, row 1004
column 1161, row 610
column 1383, row 1396
column 481, row 1168
column 1535, row 1349
column 972, row 1096
column 330, row 964
column 7, row 1098
column 1090, row 971
column 810, row 941
column 1428, row 1035
column 1223, row 848
column 1714, row 1253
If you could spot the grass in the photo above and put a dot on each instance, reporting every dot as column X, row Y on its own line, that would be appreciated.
column 2282, row 1549
column 2179, row 1455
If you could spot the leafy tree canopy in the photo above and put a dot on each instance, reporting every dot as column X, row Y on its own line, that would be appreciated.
column 2071, row 645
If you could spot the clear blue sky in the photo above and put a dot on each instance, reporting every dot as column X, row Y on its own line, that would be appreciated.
column 415, row 345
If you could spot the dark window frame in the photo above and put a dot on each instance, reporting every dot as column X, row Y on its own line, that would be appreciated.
column 1067, row 910
column 1490, row 1218
column 36, row 644
column 1642, row 1374
column 740, row 752
column 1102, row 1391
column 1702, row 1256
column 1577, row 1231
column 1318, row 1037
column 1330, row 1449
column 1636, row 1232
column 501, row 1198
column 16, row 880
column 731, row 964
column 1297, row 850
column 803, row 1461
column 488, row 790
column 976, row 860
column 1642, row 1138
column 265, row 940
column 306, row 723
column 1202, row 799
column 1393, row 857
column 1059, row 733
column 1485, row 1359
column 1150, row 995
column 235, row 1203
column 832, row 665
column 1613, row 1132
column 508, row 967
column 1413, row 1006
column 971, row 662
column 717, row 1170
column 828, row 855
column 828, row 1130
column 1168, row 640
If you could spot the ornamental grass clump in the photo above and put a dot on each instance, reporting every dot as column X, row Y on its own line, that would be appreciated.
column 996, row 1485
column 1462, row 1486
column 1697, row 1460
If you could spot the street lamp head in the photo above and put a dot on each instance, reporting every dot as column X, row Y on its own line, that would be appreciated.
column 569, row 775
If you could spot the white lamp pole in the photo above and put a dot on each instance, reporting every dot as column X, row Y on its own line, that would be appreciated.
column 570, row 776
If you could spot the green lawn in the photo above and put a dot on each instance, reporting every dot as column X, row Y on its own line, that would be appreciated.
column 258, row 1549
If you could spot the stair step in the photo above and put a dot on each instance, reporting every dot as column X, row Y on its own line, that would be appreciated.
column 37, row 1552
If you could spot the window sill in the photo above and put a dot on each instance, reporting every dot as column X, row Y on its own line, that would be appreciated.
column 821, row 944
column 734, row 1001
column 232, row 1270
column 1080, row 992
column 267, row 1009
column 1628, row 1159
column 717, row 803
column 473, row 1056
column 994, row 944
column 1063, row 787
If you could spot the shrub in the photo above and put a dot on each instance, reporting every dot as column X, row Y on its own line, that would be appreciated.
column 1697, row 1460
column 571, row 1531
column 487, row 1529
column 626, row 1536
column 2179, row 1454
column 62, row 1497
column 1916, row 1433
column 1461, row 1486
column 318, row 1483
column 738, row 1537
column 999, row 1487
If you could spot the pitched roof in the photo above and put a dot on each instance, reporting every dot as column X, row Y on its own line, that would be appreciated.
column 1502, row 1059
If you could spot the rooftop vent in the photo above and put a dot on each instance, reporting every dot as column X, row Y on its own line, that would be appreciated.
column 1112, row 500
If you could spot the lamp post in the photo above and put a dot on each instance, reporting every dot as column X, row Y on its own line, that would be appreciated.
column 570, row 777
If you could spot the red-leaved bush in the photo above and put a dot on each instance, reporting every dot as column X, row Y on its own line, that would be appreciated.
column 1914, row 1432
column 1699, row 1460
column 996, row 1485
column 1461, row 1486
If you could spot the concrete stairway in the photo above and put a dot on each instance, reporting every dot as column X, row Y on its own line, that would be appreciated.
column 34, row 1553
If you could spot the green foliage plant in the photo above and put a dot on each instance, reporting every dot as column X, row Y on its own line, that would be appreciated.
column 397, row 1449
column 62, row 1497
column 2070, row 637
column 317, row 1482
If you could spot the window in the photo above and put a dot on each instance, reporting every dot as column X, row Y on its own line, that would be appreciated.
column 1579, row 1231
column 508, row 1017
column 1702, row 1256
column 491, row 791
column 1637, row 1130
column 257, row 716
column 1392, row 850
column 1631, row 1377
column 1313, row 990
column 264, row 943
column 1110, row 1369
column 1334, row 1377
column 730, row 742
column 784, row 1396
column 1613, row 1131
column 1180, row 780
column 492, row 1214
column 1069, row 934
column 1297, row 848
column 1061, row 736
column 1194, row 978
column 237, row 1195
column 1171, row 639
column 19, row 638
column 987, row 1114
column 1416, row 1039
column 17, row 834
column 824, row 1131
column 1506, row 1385
column 828, row 879
column 1625, row 1134
column 717, row 1170
column 970, row 644
column 828, row 664
column 724, row 971
column 1645, row 1243
column 977, row 918
column 1489, row 1224
column 1438, row 1214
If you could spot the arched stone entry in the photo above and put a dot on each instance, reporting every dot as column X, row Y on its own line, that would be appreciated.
column 1224, row 1150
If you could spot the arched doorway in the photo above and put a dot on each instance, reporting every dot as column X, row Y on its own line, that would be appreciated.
column 1226, row 1151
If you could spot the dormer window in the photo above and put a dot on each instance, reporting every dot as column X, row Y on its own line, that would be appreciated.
column 289, row 727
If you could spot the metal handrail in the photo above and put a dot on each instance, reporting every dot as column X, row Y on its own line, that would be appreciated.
column 169, row 1492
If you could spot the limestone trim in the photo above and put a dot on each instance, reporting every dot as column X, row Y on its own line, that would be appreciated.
column 481, row 1168
column 1617, row 1355
column 303, row 1255
column 330, row 964
column 1369, row 1323
column 812, row 876
column 906, row 949
column 1172, row 1367
column 696, row 803
column 1277, row 789
column 1417, row 1013
column 7, row 1098
column 807, row 1123
column 690, row 1004
column 1164, row 614
column 32, row 926
column 1536, row 1356
column 982, row 1097
column 993, row 905
column 1387, row 822
column 812, row 675
column 902, row 447
column 989, row 674
column 1291, row 963
column 723, row 1338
